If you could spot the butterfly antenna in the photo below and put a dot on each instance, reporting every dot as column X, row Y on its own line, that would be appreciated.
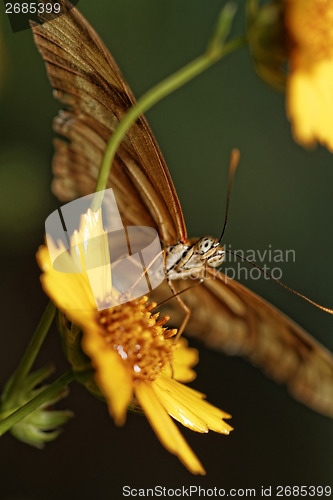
column 234, row 160
column 326, row 309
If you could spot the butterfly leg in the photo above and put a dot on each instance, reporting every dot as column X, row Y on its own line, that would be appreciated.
column 184, row 307
column 139, row 266
column 144, row 272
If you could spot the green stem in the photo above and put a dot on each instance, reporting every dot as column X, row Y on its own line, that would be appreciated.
column 36, row 402
column 155, row 94
column 29, row 356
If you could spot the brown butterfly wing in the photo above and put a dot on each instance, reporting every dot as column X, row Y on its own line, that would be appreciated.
column 229, row 317
column 87, row 80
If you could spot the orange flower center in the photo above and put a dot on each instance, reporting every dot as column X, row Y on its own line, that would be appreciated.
column 137, row 336
column 310, row 23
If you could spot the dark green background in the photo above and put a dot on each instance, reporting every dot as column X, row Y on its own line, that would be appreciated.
column 282, row 196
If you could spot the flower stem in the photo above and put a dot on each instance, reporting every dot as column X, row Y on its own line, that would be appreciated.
column 36, row 402
column 29, row 356
column 216, row 50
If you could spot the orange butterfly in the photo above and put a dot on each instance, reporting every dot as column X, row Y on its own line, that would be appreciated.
column 225, row 315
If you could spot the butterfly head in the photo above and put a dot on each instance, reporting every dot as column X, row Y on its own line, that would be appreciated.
column 209, row 250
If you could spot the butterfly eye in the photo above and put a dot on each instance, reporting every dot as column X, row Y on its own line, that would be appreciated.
column 204, row 244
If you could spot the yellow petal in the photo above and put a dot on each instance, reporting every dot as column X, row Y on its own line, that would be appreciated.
column 165, row 429
column 192, row 394
column 70, row 292
column 180, row 372
column 310, row 104
column 185, row 354
column 180, row 412
column 183, row 359
column 211, row 415
column 91, row 241
column 112, row 374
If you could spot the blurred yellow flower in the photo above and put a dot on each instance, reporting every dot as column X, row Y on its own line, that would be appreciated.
column 309, row 25
column 297, row 35
column 133, row 355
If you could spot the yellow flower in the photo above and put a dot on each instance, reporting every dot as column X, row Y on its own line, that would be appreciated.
column 310, row 83
column 133, row 355
column 297, row 34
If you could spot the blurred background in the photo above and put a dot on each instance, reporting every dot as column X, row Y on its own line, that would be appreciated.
column 282, row 197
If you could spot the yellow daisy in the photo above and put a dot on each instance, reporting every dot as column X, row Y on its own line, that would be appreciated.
column 309, row 24
column 134, row 358
column 297, row 35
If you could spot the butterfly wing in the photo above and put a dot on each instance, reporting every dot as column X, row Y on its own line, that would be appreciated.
column 229, row 317
column 87, row 80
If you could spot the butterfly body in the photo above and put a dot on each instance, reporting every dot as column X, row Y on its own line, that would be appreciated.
column 189, row 260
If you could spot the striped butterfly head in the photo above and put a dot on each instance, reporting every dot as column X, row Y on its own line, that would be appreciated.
column 210, row 251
